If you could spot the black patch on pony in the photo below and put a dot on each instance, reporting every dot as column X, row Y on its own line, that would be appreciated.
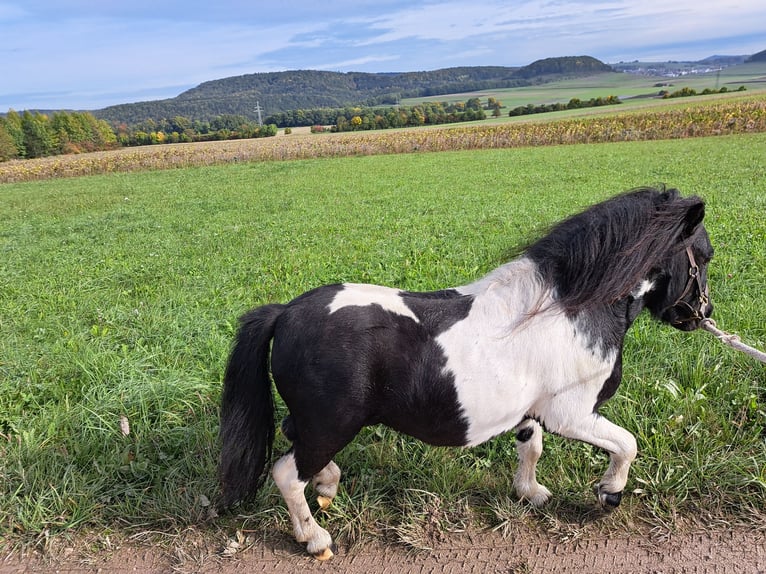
column 365, row 365
column 525, row 434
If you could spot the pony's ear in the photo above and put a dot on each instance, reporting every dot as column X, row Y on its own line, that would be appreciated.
column 695, row 213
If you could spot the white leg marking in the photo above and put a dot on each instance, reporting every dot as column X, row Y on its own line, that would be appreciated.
column 325, row 482
column 622, row 449
column 619, row 443
column 529, row 451
column 318, row 540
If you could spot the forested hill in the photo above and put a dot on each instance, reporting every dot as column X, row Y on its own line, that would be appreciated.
column 307, row 89
column 759, row 57
column 569, row 66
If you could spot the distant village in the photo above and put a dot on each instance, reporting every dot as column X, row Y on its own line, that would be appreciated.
column 671, row 72
column 674, row 69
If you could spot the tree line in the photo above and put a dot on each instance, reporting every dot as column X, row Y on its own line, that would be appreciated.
column 573, row 104
column 429, row 113
column 689, row 92
column 30, row 134
column 363, row 118
column 181, row 129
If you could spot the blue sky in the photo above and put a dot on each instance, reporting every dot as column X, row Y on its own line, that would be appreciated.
column 87, row 54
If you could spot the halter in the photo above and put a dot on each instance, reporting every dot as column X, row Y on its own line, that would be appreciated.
column 703, row 299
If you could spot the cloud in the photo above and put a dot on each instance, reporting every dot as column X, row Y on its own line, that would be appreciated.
column 357, row 62
column 596, row 24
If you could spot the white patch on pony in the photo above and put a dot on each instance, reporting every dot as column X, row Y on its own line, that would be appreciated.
column 361, row 295
column 518, row 355
column 643, row 288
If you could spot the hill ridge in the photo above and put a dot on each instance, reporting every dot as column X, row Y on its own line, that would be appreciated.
column 308, row 89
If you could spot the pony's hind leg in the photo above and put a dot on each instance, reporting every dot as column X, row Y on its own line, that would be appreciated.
column 529, row 446
column 318, row 540
column 325, row 483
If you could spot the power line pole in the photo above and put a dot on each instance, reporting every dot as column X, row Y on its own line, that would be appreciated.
column 258, row 111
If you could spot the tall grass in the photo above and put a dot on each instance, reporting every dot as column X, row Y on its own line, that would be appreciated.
column 119, row 296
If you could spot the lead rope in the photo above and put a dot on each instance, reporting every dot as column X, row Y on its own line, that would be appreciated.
column 732, row 340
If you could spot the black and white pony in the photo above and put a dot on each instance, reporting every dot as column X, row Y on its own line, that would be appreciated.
column 535, row 343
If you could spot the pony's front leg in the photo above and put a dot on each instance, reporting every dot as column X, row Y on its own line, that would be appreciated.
column 619, row 443
column 318, row 541
column 529, row 447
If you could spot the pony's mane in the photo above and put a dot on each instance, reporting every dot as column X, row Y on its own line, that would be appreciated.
column 600, row 255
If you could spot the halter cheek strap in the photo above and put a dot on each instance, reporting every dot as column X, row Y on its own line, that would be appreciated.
column 694, row 278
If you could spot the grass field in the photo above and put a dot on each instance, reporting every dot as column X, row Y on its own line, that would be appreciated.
column 119, row 296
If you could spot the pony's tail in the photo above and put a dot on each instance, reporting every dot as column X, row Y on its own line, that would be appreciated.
column 247, row 407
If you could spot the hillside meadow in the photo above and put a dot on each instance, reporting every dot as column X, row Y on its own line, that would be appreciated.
column 634, row 90
column 120, row 293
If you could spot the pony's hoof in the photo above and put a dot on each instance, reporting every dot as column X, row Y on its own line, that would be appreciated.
column 537, row 495
column 611, row 499
column 326, row 554
column 324, row 502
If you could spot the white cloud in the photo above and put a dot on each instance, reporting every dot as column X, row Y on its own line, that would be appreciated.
column 356, row 62
column 606, row 22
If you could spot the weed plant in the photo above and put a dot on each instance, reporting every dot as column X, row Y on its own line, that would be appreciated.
column 119, row 298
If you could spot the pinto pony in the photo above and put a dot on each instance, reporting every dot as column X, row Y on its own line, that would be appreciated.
column 536, row 343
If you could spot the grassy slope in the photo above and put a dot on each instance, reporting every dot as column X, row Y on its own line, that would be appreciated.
column 752, row 76
column 119, row 295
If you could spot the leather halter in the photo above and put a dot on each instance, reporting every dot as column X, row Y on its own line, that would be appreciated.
column 703, row 299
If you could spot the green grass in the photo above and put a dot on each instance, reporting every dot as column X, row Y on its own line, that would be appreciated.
column 119, row 296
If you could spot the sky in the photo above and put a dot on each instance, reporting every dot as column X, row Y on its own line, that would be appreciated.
column 89, row 54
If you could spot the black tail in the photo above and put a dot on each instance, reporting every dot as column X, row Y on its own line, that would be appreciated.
column 247, row 407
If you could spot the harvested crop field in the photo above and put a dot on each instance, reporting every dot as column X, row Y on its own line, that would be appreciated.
column 726, row 117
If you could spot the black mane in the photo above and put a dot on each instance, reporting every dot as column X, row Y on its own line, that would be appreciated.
column 600, row 255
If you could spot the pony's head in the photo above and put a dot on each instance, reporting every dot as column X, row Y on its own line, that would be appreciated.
column 647, row 240
column 680, row 296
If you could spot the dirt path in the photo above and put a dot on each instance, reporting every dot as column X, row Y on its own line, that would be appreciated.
column 726, row 551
